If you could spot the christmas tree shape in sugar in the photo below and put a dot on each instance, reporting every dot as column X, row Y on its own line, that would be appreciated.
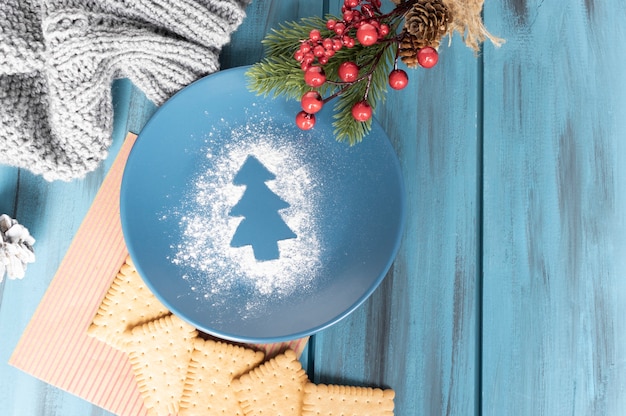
column 262, row 226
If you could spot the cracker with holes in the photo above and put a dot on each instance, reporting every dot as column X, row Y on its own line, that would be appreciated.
column 159, row 352
column 127, row 303
column 332, row 400
column 214, row 365
column 274, row 388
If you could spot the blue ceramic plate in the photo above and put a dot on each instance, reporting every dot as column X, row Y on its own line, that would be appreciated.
column 249, row 228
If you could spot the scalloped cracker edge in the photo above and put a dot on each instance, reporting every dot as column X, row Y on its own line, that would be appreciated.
column 274, row 388
column 333, row 400
column 127, row 303
column 160, row 352
column 208, row 387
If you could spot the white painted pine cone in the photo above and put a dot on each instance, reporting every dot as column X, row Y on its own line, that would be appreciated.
column 16, row 248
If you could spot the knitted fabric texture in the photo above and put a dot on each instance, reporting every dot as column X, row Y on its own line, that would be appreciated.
column 58, row 59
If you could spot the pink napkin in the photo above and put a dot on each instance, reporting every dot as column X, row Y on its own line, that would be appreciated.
column 55, row 346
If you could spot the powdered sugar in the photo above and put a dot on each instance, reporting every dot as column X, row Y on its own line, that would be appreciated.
column 214, row 268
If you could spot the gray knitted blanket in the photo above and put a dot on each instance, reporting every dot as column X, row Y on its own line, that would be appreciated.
column 59, row 57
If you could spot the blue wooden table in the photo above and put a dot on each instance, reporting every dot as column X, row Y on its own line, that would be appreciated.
column 508, row 295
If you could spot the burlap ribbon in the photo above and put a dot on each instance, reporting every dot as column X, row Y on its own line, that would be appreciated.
column 466, row 20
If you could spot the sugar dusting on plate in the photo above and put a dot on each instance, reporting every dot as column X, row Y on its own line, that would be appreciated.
column 213, row 268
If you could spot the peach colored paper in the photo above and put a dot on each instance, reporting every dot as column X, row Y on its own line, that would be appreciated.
column 55, row 346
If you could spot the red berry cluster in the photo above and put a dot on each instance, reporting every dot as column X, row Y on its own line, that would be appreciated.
column 362, row 22
column 366, row 20
column 317, row 49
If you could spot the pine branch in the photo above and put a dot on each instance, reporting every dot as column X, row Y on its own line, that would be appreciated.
column 280, row 74
column 346, row 127
column 286, row 39
column 410, row 32
column 277, row 76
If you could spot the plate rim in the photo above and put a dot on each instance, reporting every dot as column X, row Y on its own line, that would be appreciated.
column 294, row 334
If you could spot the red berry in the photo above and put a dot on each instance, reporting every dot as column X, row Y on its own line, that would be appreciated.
column 339, row 28
column 298, row 55
column 315, row 35
column 367, row 10
column 367, row 34
column 383, row 30
column 306, row 62
column 347, row 41
column 351, row 3
column 304, row 120
column 427, row 57
column 362, row 111
column 314, row 76
column 327, row 43
column 398, row 79
column 318, row 51
column 331, row 24
column 348, row 71
column 312, row 102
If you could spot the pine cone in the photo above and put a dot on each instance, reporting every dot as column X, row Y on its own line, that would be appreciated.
column 16, row 248
column 428, row 20
column 408, row 47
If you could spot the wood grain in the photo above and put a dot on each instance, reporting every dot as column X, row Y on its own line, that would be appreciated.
column 263, row 16
column 508, row 295
column 554, row 333
column 418, row 332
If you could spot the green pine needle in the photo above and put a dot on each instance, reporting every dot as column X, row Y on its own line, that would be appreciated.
column 286, row 39
column 275, row 77
column 279, row 74
column 346, row 127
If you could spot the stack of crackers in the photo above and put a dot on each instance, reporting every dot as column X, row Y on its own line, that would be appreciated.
column 179, row 371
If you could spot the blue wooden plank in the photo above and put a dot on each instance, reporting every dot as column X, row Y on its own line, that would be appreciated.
column 8, row 189
column 554, row 333
column 262, row 16
column 417, row 333
column 132, row 107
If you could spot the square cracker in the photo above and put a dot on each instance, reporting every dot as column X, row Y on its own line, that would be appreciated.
column 213, row 367
column 274, row 388
column 127, row 303
column 159, row 352
column 333, row 400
